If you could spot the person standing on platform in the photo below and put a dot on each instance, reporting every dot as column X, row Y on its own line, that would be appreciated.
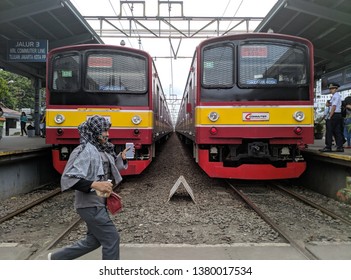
column 92, row 170
column 2, row 121
column 23, row 120
column 347, row 125
column 335, row 127
column 43, row 125
column 326, row 118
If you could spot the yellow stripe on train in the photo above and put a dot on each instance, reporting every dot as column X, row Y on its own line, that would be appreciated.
column 257, row 115
column 118, row 118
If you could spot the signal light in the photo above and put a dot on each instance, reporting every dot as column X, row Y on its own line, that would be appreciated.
column 213, row 131
column 298, row 130
column 136, row 131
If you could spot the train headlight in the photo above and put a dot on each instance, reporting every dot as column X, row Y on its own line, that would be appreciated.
column 59, row 118
column 213, row 116
column 299, row 116
column 136, row 119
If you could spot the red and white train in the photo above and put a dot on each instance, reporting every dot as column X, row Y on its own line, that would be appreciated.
column 247, row 106
column 116, row 82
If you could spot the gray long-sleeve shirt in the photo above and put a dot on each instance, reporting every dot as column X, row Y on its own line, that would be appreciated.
column 88, row 163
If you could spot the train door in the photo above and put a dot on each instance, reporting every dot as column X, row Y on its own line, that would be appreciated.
column 161, row 104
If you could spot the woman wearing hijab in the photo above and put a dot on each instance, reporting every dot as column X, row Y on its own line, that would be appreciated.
column 92, row 170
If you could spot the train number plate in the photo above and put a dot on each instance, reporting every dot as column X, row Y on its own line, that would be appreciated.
column 255, row 116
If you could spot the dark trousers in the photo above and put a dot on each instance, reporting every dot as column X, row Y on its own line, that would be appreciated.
column 101, row 232
column 335, row 128
column 23, row 128
column 327, row 128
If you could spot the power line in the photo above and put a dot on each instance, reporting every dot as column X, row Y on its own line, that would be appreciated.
column 130, row 43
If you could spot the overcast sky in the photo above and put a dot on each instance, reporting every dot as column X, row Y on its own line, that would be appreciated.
column 173, row 72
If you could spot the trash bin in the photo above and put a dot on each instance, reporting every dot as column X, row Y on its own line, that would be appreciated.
column 31, row 132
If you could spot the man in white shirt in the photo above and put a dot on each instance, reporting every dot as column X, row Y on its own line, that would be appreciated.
column 336, row 121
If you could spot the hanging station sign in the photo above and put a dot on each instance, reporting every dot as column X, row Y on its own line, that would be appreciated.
column 27, row 50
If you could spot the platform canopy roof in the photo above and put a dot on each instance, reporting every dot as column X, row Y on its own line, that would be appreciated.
column 57, row 21
column 326, row 23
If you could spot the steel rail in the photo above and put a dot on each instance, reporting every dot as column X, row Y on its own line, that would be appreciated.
column 63, row 234
column 30, row 205
column 311, row 203
column 300, row 248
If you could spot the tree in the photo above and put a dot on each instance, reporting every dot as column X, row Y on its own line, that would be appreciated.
column 16, row 92
column 5, row 96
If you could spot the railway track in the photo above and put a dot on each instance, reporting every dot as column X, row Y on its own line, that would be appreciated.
column 295, row 243
column 30, row 205
column 217, row 218
column 279, row 224
column 312, row 204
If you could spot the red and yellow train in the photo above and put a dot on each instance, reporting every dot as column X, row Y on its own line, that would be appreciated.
column 116, row 82
column 247, row 106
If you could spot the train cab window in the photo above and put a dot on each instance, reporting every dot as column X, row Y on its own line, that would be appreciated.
column 217, row 67
column 66, row 74
column 116, row 72
column 272, row 65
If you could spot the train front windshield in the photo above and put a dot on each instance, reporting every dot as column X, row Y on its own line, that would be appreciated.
column 256, row 70
column 273, row 65
column 98, row 78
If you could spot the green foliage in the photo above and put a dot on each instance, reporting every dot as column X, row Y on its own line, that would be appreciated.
column 16, row 91
column 5, row 96
column 318, row 126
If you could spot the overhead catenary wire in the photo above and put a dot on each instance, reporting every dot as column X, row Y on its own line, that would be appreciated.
column 170, row 49
column 131, row 8
column 225, row 10
column 113, row 9
column 236, row 11
column 136, row 27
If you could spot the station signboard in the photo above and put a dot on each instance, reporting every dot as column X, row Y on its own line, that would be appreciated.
column 27, row 50
column 341, row 77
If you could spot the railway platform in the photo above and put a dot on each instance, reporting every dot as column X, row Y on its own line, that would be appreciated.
column 21, row 144
column 323, row 251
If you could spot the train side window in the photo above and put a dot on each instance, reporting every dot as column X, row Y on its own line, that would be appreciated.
column 217, row 67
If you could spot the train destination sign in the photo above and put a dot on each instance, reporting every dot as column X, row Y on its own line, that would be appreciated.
column 27, row 50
